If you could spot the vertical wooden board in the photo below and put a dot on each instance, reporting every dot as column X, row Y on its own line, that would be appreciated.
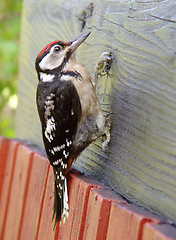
column 18, row 190
column 34, row 200
column 139, row 90
column 126, row 222
column 45, row 227
column 6, row 188
column 85, row 186
column 158, row 232
column 4, row 148
column 98, row 210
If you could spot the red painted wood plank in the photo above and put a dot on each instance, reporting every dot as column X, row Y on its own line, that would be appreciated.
column 158, row 232
column 34, row 200
column 4, row 149
column 98, row 212
column 79, row 189
column 5, row 193
column 126, row 222
column 26, row 205
column 45, row 228
column 18, row 192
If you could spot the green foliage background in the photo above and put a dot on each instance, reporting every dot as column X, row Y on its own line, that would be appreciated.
column 10, row 16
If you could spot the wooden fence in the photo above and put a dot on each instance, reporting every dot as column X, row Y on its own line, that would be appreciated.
column 140, row 89
column 96, row 212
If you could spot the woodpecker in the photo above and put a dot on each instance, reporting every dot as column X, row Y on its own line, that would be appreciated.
column 69, row 111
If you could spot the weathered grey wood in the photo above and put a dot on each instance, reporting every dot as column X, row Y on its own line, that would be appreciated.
column 140, row 162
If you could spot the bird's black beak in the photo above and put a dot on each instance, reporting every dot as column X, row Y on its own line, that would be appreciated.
column 74, row 43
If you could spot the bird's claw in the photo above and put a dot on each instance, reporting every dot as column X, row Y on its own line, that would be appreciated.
column 107, row 133
column 104, row 65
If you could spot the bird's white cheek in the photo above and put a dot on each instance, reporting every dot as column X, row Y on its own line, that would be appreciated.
column 51, row 62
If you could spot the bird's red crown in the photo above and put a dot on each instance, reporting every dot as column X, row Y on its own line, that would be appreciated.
column 47, row 47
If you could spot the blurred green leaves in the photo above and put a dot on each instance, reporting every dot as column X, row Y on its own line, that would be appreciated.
column 10, row 15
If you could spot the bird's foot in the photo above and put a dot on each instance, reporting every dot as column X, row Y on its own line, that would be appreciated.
column 103, row 66
column 107, row 133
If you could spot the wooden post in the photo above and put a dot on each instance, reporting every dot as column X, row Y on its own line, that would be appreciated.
column 140, row 90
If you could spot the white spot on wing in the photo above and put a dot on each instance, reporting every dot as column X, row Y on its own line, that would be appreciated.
column 68, row 143
column 61, row 163
column 58, row 148
column 65, row 154
column 61, row 176
column 52, row 151
column 50, row 127
column 56, row 162
column 62, row 146
column 55, row 149
column 49, row 105
column 51, row 96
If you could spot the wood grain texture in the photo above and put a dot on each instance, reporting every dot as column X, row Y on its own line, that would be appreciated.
column 140, row 162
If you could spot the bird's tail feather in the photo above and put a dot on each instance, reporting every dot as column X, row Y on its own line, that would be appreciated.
column 65, row 202
column 57, row 206
column 60, row 208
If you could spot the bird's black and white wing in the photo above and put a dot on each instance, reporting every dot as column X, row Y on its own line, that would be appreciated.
column 59, row 119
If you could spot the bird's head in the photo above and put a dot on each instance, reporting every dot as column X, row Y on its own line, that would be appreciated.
column 56, row 54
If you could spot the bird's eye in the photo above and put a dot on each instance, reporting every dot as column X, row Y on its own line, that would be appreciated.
column 57, row 48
